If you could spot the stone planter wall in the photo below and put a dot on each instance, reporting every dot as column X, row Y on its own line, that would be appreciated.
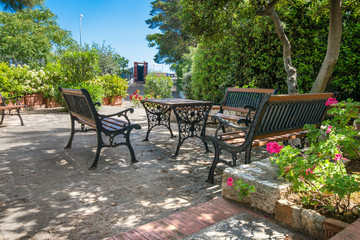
column 270, row 197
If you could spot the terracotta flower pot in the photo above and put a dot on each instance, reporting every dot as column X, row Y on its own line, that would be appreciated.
column 116, row 101
column 105, row 101
column 50, row 103
column 34, row 99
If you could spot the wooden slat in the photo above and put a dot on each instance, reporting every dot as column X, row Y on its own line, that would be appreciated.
column 235, row 109
column 255, row 90
column 84, row 121
column 226, row 116
column 112, row 124
column 11, row 107
column 294, row 97
column 263, row 139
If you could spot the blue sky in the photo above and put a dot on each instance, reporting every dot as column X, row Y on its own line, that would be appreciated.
column 120, row 23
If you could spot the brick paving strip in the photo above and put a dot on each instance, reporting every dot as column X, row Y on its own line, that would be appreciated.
column 352, row 232
column 182, row 224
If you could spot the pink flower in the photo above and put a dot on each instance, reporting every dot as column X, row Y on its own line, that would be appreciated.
column 309, row 171
column 134, row 93
column 131, row 96
column 337, row 157
column 230, row 182
column 139, row 97
column 302, row 177
column 273, row 147
column 12, row 93
column 329, row 129
column 136, row 97
column 331, row 101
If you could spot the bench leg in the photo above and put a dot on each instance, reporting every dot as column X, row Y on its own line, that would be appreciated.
column 98, row 150
column 248, row 155
column 2, row 117
column 21, row 120
column 131, row 150
column 210, row 178
column 72, row 133
column 302, row 142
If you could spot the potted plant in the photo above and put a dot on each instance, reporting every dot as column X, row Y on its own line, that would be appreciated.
column 115, row 88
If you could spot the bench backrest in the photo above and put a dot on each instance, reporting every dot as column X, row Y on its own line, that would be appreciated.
column 80, row 104
column 235, row 99
column 283, row 113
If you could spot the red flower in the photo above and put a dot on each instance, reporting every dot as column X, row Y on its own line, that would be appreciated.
column 230, row 181
column 131, row 97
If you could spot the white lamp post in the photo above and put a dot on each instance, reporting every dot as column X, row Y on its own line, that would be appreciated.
column 80, row 27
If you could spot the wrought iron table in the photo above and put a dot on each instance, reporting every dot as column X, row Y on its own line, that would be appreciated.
column 191, row 116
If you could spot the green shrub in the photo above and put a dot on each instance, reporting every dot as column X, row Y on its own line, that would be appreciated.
column 160, row 86
column 319, row 172
column 113, row 85
column 80, row 66
column 96, row 92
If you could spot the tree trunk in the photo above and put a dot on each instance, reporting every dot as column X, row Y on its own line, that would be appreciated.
column 333, row 47
column 289, row 68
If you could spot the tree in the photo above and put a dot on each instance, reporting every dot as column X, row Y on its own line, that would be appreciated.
column 15, row 5
column 206, row 19
column 172, row 42
column 80, row 66
column 110, row 62
column 30, row 36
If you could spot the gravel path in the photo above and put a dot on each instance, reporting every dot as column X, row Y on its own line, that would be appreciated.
column 47, row 192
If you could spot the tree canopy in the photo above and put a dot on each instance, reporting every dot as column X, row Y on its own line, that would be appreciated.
column 15, row 5
column 172, row 42
column 30, row 36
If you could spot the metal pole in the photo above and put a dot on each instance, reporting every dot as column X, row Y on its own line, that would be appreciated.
column 80, row 27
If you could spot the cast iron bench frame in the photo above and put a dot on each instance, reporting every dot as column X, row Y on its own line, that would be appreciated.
column 17, row 107
column 240, row 100
column 278, row 118
column 82, row 110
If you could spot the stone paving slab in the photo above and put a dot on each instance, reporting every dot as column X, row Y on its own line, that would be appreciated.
column 245, row 226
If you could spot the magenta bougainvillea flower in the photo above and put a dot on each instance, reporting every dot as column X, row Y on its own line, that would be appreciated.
column 230, row 182
column 337, row 157
column 273, row 147
column 309, row 171
column 331, row 101
column 329, row 129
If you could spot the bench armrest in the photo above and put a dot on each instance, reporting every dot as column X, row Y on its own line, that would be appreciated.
column 97, row 104
column 16, row 98
column 224, row 123
column 120, row 114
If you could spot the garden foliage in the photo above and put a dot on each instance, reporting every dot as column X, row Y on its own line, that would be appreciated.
column 160, row 86
column 319, row 172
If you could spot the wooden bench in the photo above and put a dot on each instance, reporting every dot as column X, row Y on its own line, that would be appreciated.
column 278, row 118
column 82, row 110
column 17, row 106
column 239, row 100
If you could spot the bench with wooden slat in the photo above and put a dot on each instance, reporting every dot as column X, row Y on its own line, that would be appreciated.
column 277, row 118
column 4, row 107
column 239, row 100
column 82, row 110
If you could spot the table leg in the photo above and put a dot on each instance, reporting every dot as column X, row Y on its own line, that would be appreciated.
column 157, row 114
column 191, row 123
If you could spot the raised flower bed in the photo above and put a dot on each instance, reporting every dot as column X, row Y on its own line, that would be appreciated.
column 323, row 184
